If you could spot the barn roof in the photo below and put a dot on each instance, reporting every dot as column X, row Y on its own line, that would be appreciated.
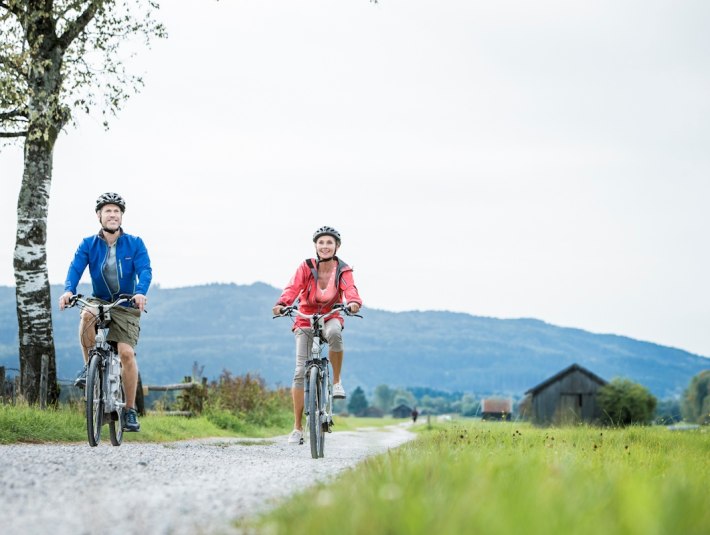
column 560, row 375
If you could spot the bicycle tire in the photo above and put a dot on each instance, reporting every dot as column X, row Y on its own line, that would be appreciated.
column 115, row 424
column 315, row 429
column 322, row 401
column 94, row 401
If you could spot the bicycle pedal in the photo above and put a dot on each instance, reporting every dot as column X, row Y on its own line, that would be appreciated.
column 300, row 443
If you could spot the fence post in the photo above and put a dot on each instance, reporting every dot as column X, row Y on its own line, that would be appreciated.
column 16, row 390
column 2, row 384
column 43, row 382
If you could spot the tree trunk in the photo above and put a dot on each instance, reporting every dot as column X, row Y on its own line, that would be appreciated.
column 34, row 311
column 46, row 119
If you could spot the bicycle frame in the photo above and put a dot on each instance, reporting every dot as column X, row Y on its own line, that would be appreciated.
column 318, row 404
column 105, row 399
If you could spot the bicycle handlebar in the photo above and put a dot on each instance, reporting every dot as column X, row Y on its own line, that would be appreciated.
column 78, row 299
column 338, row 307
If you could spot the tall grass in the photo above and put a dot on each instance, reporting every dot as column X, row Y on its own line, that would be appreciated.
column 509, row 478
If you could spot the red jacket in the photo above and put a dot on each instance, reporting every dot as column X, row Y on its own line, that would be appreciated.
column 303, row 284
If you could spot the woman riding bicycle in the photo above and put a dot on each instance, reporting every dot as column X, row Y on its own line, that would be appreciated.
column 318, row 284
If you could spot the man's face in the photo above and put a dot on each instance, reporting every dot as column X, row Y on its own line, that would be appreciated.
column 110, row 217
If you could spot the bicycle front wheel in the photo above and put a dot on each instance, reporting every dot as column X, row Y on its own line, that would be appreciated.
column 94, row 401
column 314, row 413
column 115, row 424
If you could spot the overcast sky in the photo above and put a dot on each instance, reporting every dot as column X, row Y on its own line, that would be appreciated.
column 545, row 159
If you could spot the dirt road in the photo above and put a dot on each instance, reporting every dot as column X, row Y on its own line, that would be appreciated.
column 176, row 488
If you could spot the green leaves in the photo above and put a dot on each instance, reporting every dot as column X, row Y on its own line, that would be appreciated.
column 72, row 58
column 624, row 402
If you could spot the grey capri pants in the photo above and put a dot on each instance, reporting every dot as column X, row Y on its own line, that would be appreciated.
column 333, row 334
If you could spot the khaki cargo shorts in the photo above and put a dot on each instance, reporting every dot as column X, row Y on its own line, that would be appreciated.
column 124, row 325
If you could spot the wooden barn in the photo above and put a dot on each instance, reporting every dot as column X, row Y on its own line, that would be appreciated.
column 567, row 397
column 402, row 411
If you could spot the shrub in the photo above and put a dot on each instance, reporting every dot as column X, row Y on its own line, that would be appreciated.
column 247, row 398
column 624, row 402
column 696, row 401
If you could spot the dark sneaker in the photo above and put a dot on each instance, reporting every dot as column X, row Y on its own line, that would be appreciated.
column 130, row 421
column 80, row 381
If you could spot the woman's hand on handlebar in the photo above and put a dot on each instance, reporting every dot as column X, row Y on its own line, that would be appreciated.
column 353, row 308
column 281, row 310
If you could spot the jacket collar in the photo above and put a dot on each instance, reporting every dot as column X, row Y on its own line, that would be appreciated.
column 103, row 237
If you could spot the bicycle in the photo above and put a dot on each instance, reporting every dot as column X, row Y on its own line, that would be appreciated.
column 105, row 396
column 318, row 394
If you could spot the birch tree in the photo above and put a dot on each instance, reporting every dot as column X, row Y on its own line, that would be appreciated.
column 58, row 58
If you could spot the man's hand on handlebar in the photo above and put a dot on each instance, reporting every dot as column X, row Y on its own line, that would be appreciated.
column 65, row 299
column 139, row 301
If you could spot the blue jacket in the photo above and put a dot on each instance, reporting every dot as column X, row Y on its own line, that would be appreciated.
column 132, row 262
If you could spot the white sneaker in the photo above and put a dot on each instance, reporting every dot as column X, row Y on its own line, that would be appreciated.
column 296, row 437
column 338, row 391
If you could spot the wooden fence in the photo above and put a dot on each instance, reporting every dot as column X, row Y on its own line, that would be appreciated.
column 191, row 402
column 9, row 388
column 194, row 386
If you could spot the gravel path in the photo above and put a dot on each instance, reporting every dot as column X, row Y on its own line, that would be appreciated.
column 192, row 487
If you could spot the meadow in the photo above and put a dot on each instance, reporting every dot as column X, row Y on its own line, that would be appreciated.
column 67, row 423
column 500, row 478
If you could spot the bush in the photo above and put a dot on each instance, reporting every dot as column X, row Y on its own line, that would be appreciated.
column 624, row 402
column 668, row 412
column 696, row 401
column 226, row 420
column 248, row 400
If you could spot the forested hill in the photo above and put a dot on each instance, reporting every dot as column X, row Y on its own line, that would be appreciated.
column 227, row 326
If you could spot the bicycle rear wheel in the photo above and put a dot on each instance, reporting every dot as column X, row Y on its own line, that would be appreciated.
column 314, row 416
column 94, row 401
column 115, row 424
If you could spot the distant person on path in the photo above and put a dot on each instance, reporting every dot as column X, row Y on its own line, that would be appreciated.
column 415, row 413
column 318, row 284
column 118, row 264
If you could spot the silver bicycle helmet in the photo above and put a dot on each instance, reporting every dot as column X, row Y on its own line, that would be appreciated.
column 326, row 231
column 110, row 198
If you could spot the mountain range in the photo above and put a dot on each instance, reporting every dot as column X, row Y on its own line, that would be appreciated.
column 229, row 327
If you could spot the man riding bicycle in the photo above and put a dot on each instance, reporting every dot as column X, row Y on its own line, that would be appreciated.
column 118, row 264
column 318, row 284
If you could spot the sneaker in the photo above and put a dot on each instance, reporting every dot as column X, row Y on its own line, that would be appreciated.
column 130, row 421
column 338, row 391
column 80, row 381
column 296, row 437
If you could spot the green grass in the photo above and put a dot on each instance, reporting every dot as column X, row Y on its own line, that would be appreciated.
column 68, row 424
column 352, row 423
column 512, row 478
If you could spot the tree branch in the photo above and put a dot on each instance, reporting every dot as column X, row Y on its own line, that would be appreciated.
column 12, row 7
column 13, row 134
column 14, row 114
column 77, row 26
column 4, row 60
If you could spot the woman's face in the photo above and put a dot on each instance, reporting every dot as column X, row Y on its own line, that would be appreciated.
column 326, row 247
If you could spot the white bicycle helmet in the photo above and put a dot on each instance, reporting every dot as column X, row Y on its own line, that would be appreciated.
column 326, row 231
